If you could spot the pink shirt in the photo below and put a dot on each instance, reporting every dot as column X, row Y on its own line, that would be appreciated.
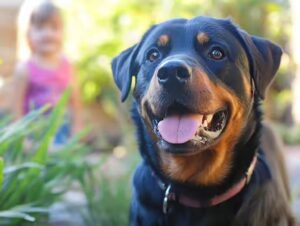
column 45, row 86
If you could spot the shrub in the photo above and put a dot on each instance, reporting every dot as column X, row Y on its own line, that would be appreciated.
column 31, row 178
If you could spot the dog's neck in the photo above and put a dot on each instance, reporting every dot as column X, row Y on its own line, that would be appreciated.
column 198, row 202
column 244, row 152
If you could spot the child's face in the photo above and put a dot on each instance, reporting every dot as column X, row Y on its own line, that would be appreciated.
column 46, row 37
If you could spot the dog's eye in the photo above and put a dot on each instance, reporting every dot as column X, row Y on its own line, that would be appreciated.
column 216, row 53
column 153, row 55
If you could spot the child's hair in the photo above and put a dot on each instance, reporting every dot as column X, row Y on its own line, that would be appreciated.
column 43, row 11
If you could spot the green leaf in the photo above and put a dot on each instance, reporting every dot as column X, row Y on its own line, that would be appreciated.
column 13, row 169
column 55, row 120
column 1, row 172
column 15, row 214
column 20, row 127
column 29, row 208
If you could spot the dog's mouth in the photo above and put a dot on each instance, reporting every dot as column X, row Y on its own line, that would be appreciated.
column 182, row 130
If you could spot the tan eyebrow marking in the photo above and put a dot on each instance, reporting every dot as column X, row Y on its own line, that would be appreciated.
column 163, row 40
column 202, row 37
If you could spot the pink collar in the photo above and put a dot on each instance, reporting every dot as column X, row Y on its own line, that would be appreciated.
column 230, row 193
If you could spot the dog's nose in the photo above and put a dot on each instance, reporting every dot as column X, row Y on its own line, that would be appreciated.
column 173, row 73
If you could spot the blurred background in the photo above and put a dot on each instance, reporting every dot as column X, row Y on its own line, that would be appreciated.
column 97, row 189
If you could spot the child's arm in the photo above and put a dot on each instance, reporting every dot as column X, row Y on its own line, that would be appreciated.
column 20, row 82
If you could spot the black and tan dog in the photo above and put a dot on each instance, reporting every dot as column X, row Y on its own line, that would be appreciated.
column 208, row 160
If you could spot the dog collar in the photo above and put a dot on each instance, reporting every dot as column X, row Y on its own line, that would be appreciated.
column 194, row 203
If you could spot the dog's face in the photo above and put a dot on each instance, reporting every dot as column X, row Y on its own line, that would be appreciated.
column 195, row 82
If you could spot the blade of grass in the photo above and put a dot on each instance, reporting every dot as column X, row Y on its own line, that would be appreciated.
column 13, row 169
column 1, row 172
column 55, row 121
column 20, row 127
column 15, row 214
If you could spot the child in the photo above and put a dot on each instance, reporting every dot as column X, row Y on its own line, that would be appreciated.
column 44, row 77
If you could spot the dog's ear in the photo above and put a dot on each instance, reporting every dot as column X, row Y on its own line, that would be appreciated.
column 125, row 65
column 123, row 68
column 264, row 58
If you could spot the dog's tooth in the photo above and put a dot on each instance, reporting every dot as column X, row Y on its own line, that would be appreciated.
column 203, row 140
column 213, row 135
column 209, row 118
column 205, row 124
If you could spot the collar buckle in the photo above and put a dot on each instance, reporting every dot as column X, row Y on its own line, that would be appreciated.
column 250, row 170
column 166, row 200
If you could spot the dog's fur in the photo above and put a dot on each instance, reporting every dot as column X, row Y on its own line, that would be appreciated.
column 238, row 81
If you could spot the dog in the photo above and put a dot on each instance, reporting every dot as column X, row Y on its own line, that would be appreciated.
column 208, row 157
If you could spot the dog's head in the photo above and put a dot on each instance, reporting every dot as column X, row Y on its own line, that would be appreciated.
column 195, row 85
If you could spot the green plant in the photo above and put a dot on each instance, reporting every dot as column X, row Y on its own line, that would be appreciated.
column 290, row 135
column 108, row 190
column 31, row 178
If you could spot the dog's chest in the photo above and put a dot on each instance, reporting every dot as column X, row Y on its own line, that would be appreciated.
column 147, row 207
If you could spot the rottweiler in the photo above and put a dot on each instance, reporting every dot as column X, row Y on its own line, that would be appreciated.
column 208, row 158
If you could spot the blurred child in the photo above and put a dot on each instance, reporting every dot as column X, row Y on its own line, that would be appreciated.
column 43, row 78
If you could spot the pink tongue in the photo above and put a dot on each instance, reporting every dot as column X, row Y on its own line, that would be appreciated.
column 178, row 129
